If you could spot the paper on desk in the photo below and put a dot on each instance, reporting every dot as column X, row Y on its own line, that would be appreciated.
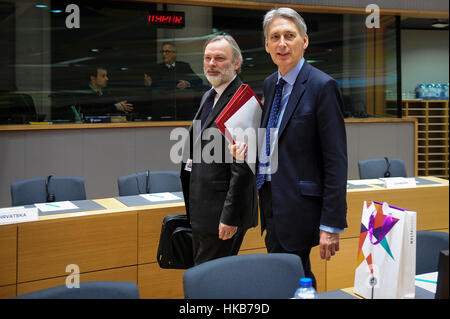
column 427, row 281
column 160, row 197
column 56, row 206
column 366, row 181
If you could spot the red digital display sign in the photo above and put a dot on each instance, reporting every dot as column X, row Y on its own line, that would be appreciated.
column 166, row 18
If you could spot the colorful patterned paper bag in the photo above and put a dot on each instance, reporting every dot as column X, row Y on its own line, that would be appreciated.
column 386, row 262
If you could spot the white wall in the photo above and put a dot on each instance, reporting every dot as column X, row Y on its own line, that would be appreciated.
column 424, row 58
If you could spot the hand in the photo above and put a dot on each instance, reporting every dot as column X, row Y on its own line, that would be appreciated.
column 147, row 80
column 182, row 84
column 329, row 244
column 124, row 106
column 238, row 150
column 226, row 232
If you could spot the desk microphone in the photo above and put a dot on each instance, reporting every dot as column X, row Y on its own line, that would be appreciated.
column 147, row 182
column 50, row 197
column 387, row 173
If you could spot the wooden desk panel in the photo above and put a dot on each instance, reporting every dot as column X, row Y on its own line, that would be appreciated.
column 158, row 283
column 117, row 274
column 149, row 230
column 7, row 292
column 341, row 267
column 253, row 238
column 95, row 242
column 8, row 254
column 430, row 202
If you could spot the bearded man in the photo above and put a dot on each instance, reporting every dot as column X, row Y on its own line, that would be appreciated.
column 220, row 194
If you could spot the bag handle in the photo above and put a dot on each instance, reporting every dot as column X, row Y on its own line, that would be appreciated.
column 385, row 228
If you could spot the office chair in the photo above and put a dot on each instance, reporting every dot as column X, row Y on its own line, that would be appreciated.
column 47, row 189
column 255, row 276
column 381, row 167
column 88, row 290
column 429, row 244
column 17, row 108
column 149, row 182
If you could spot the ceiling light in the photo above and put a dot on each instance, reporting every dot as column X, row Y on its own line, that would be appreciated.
column 440, row 24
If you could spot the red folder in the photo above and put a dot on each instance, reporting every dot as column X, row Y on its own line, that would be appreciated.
column 242, row 95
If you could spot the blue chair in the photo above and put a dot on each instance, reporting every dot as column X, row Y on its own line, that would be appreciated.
column 88, row 290
column 149, row 182
column 381, row 167
column 38, row 190
column 255, row 276
column 429, row 244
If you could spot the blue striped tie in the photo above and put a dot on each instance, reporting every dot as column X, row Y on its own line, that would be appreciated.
column 273, row 119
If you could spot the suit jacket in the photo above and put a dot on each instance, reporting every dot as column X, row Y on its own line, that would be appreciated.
column 219, row 192
column 91, row 104
column 167, row 79
column 310, row 185
column 167, row 99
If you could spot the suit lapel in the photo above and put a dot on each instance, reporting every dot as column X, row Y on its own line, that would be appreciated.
column 223, row 100
column 295, row 97
column 268, row 100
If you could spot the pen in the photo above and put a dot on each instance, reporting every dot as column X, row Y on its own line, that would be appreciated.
column 156, row 196
column 424, row 280
column 52, row 205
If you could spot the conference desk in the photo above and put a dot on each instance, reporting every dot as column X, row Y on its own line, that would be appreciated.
column 120, row 242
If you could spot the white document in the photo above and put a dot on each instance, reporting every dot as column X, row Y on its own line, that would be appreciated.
column 243, row 127
column 12, row 215
column 56, row 206
column 248, row 116
column 399, row 182
column 427, row 281
column 373, row 181
column 160, row 197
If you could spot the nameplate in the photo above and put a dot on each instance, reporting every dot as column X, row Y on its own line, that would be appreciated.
column 399, row 182
column 14, row 215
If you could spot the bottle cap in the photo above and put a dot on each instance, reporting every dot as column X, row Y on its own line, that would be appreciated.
column 305, row 282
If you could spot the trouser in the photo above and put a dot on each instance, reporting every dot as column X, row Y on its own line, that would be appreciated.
column 210, row 246
column 273, row 244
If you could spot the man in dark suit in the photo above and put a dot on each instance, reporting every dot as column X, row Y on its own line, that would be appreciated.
column 172, row 73
column 93, row 101
column 220, row 195
column 302, row 171
column 172, row 82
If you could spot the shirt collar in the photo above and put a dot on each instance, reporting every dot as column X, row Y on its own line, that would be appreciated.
column 170, row 66
column 221, row 88
column 291, row 76
column 97, row 91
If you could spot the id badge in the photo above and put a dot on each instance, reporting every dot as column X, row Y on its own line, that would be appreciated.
column 188, row 166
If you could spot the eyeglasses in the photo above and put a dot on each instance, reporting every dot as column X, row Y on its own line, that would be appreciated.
column 166, row 51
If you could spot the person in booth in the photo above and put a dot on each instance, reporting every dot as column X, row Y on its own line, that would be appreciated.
column 172, row 73
column 172, row 82
column 303, row 198
column 96, row 102
column 220, row 196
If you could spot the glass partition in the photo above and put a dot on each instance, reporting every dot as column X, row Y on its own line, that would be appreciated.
column 140, row 61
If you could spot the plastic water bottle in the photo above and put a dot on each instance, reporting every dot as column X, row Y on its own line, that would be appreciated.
column 306, row 290
column 437, row 91
column 444, row 91
column 420, row 91
column 428, row 94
